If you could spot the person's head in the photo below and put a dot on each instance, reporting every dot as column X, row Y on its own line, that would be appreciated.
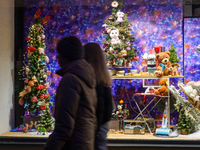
column 94, row 55
column 69, row 49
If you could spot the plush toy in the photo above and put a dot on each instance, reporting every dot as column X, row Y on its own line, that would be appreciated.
column 163, row 61
column 174, row 70
column 163, row 88
column 28, row 88
column 120, row 16
column 114, row 34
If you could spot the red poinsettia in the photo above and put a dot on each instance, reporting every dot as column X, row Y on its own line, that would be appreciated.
column 31, row 48
column 41, row 96
column 42, row 107
column 40, row 87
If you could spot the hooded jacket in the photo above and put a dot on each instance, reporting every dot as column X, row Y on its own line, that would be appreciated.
column 75, row 109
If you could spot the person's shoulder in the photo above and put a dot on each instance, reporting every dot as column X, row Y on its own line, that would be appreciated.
column 70, row 78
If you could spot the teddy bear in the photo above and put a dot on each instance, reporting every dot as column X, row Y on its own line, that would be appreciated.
column 164, row 64
column 114, row 34
column 163, row 88
column 31, row 83
column 120, row 16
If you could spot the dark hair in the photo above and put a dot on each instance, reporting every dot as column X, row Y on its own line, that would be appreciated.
column 94, row 55
column 70, row 47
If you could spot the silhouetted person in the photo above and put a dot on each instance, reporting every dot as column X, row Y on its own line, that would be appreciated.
column 94, row 55
column 75, row 102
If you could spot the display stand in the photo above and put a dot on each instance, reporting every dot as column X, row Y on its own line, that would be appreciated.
column 145, row 108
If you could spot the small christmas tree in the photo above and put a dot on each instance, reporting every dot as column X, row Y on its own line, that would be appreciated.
column 35, row 96
column 118, row 46
column 184, row 122
column 47, row 121
column 173, row 55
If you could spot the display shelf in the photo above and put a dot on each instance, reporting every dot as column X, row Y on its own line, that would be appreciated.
column 113, row 140
column 143, row 77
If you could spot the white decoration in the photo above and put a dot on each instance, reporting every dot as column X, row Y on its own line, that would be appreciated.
column 27, row 70
column 43, row 36
column 41, row 50
column 114, row 37
column 114, row 4
column 104, row 25
column 120, row 16
column 47, row 59
column 45, row 76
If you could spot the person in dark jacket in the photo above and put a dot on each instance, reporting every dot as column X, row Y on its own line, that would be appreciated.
column 94, row 56
column 75, row 102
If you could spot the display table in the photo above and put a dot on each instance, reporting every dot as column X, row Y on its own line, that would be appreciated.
column 114, row 141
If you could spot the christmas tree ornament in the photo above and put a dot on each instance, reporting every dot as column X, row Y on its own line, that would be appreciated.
column 46, row 85
column 198, row 49
column 27, row 70
column 47, row 59
column 42, row 107
column 104, row 25
column 41, row 50
column 45, row 76
column 120, row 16
column 21, row 101
column 48, row 73
column 123, row 53
column 28, row 38
column 34, row 99
column 110, row 19
column 114, row 34
column 29, row 54
column 114, row 4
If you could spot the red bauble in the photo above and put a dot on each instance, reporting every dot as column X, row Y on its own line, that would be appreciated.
column 34, row 99
column 106, row 31
column 42, row 107
column 21, row 101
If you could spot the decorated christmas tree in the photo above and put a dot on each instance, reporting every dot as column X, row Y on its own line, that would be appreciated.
column 47, row 121
column 34, row 96
column 118, row 46
column 184, row 122
column 173, row 55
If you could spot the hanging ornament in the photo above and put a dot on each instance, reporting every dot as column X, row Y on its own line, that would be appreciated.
column 104, row 25
column 110, row 19
column 47, row 59
column 39, row 38
column 45, row 76
column 27, row 70
column 123, row 53
column 46, row 85
column 21, row 101
column 120, row 16
column 48, row 73
column 41, row 96
column 43, row 36
column 34, row 99
column 114, row 4
column 41, row 50
column 198, row 49
column 29, row 54
column 27, row 38
column 42, row 107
